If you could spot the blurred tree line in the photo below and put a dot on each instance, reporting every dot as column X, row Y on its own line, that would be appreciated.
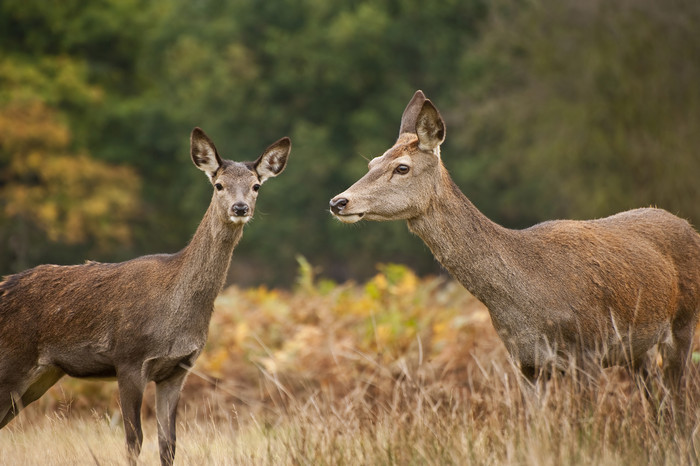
column 553, row 109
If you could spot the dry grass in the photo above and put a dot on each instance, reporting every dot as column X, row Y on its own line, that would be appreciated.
column 394, row 371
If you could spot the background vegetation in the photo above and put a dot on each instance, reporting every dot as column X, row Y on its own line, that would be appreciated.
column 553, row 108
column 394, row 370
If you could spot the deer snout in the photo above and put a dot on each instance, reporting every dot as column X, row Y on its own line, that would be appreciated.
column 339, row 208
column 240, row 209
column 338, row 204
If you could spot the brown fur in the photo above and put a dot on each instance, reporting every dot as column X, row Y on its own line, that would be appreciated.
column 142, row 320
column 613, row 287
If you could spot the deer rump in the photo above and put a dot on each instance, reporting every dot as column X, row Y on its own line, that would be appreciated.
column 607, row 289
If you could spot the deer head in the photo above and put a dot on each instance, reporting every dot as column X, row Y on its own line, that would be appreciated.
column 400, row 183
column 236, row 184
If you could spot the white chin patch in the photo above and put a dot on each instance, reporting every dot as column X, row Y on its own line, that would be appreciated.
column 350, row 218
column 239, row 220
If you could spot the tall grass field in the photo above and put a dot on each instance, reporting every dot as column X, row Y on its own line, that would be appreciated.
column 395, row 371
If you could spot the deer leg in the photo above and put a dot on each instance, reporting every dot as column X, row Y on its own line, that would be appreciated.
column 13, row 376
column 643, row 372
column 675, row 358
column 167, row 397
column 8, row 407
column 131, row 388
column 16, row 393
column 530, row 372
column 8, row 397
column 47, row 378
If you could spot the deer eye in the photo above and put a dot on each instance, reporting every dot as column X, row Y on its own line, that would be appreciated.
column 256, row 186
column 219, row 186
column 402, row 169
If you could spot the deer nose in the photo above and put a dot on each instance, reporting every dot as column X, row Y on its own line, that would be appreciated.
column 240, row 209
column 337, row 205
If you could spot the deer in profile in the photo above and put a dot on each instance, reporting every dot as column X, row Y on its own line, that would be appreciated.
column 606, row 290
column 137, row 321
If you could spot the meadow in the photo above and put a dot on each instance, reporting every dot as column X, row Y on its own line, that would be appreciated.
column 396, row 370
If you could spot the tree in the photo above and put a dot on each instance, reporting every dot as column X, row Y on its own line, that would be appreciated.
column 583, row 109
column 50, row 195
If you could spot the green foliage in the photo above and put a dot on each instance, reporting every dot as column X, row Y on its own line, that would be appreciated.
column 553, row 109
column 52, row 193
column 583, row 109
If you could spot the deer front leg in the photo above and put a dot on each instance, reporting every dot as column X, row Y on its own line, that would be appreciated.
column 8, row 407
column 45, row 378
column 14, row 378
column 9, row 396
column 131, row 388
column 167, row 397
column 20, row 387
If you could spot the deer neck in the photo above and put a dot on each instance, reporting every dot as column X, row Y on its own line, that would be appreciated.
column 475, row 250
column 205, row 260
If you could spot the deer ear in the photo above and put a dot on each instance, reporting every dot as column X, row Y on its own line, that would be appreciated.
column 273, row 160
column 430, row 128
column 408, row 119
column 203, row 153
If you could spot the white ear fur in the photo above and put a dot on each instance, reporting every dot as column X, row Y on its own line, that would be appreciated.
column 430, row 128
column 203, row 153
column 273, row 160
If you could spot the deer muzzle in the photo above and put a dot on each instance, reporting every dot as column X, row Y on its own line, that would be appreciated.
column 240, row 212
column 338, row 209
column 337, row 205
